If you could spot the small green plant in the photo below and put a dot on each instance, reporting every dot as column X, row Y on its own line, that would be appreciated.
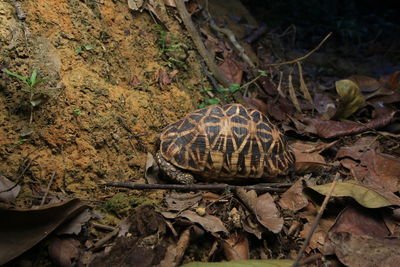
column 36, row 97
column 81, row 48
column 170, row 48
column 77, row 112
column 22, row 141
column 225, row 92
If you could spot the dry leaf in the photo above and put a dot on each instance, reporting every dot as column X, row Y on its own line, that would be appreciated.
column 303, row 86
column 24, row 228
column 331, row 129
column 367, row 197
column 236, row 247
column 294, row 199
column 64, row 252
column 372, row 168
column 292, row 94
column 182, row 201
column 231, row 70
column 364, row 251
column 360, row 221
column 350, row 99
column 365, row 83
column 7, row 195
column 210, row 223
column 307, row 161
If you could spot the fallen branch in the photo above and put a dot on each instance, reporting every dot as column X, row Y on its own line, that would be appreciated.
column 231, row 37
column 316, row 222
column 272, row 187
column 303, row 57
column 184, row 14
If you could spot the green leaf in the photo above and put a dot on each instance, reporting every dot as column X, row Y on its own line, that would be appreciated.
column 33, row 78
column 365, row 196
column 350, row 99
column 242, row 263
column 262, row 73
column 78, row 50
column 22, row 78
column 88, row 47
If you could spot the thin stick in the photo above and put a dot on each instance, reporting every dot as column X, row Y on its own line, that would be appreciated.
column 105, row 239
column 48, row 188
column 273, row 187
column 315, row 223
column 303, row 57
column 180, row 5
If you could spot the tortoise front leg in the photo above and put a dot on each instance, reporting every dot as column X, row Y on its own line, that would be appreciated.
column 174, row 173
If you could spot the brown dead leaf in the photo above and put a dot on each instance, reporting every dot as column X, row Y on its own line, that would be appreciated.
column 317, row 239
column 64, row 252
column 21, row 229
column 267, row 213
column 365, row 251
column 331, row 129
column 135, row 82
column 236, row 247
column 372, row 168
column 210, row 223
column 8, row 190
column 75, row 225
column 292, row 94
column 325, row 105
column 175, row 251
column 365, row 83
column 182, row 201
column 263, row 207
column 294, row 199
column 231, row 70
column 151, row 170
column 303, row 86
column 360, row 221
column 163, row 78
column 307, row 160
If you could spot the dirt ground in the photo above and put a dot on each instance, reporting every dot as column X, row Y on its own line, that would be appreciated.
column 94, row 93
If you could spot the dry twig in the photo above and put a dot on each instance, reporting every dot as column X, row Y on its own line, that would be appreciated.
column 180, row 5
column 302, row 57
column 273, row 187
column 315, row 223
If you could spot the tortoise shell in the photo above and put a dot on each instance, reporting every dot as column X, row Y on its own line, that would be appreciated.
column 226, row 142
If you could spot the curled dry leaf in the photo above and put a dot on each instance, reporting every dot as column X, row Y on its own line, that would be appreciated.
column 292, row 94
column 210, row 223
column 21, row 229
column 64, row 252
column 307, row 159
column 231, row 70
column 243, row 263
column 236, row 247
column 264, row 208
column 331, row 129
column 6, row 193
column 350, row 99
column 294, row 199
column 152, row 170
column 362, row 251
column 182, row 201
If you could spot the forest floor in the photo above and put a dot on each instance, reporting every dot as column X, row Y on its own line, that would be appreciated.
column 108, row 85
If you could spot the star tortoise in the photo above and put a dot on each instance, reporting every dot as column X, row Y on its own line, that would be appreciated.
column 223, row 143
